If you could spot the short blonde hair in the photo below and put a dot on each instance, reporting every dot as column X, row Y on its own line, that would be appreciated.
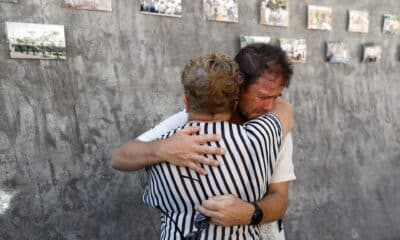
column 212, row 82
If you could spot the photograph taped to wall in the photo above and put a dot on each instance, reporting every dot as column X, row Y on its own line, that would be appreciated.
column 337, row 52
column 246, row 40
column 296, row 49
column 372, row 53
column 167, row 8
column 358, row 21
column 97, row 5
column 391, row 24
column 319, row 18
column 36, row 41
column 274, row 13
column 221, row 10
column 9, row 1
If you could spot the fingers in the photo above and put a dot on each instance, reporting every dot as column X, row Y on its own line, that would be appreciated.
column 190, row 130
column 203, row 139
column 196, row 168
column 204, row 149
column 209, row 213
column 205, row 161
column 221, row 197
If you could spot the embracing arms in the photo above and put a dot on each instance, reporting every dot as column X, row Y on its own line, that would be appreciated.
column 182, row 149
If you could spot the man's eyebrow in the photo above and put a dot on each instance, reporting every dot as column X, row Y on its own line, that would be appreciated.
column 267, row 96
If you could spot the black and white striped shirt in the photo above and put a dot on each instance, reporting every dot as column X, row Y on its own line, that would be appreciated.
column 245, row 171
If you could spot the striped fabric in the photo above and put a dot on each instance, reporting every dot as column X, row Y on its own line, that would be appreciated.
column 245, row 171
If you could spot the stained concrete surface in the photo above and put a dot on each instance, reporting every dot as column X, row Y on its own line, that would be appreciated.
column 60, row 120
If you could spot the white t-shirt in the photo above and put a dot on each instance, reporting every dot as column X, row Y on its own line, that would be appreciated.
column 283, row 172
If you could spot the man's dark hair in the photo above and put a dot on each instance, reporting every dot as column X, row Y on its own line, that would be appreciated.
column 256, row 58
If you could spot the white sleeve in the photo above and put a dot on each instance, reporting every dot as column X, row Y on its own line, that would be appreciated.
column 284, row 169
column 174, row 121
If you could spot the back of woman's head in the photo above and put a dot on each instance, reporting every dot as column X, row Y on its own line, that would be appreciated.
column 212, row 83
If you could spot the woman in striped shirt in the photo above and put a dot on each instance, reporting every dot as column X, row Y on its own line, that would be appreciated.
column 211, row 84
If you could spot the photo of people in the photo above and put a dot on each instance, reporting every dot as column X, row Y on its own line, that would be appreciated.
column 99, row 5
column 221, row 10
column 246, row 40
column 296, row 49
column 9, row 1
column 274, row 13
column 319, row 18
column 358, row 21
column 391, row 24
column 337, row 52
column 36, row 41
column 169, row 8
column 372, row 53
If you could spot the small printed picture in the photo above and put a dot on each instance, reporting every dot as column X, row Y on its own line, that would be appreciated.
column 36, row 41
column 372, row 53
column 296, row 49
column 391, row 24
column 98, row 5
column 9, row 1
column 246, row 40
column 319, row 18
column 169, row 8
column 221, row 10
column 358, row 21
column 274, row 13
column 338, row 52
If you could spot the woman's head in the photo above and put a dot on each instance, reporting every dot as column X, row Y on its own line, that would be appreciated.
column 212, row 83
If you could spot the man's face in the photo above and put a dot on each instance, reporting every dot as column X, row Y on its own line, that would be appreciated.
column 259, row 98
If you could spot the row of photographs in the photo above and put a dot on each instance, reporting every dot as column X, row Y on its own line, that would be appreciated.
column 44, row 41
column 272, row 12
column 337, row 51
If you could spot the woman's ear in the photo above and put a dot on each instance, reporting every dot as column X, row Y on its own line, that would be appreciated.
column 187, row 103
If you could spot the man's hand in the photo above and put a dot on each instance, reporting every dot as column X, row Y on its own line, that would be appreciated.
column 186, row 149
column 227, row 210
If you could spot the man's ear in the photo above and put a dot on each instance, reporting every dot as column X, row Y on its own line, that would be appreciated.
column 187, row 103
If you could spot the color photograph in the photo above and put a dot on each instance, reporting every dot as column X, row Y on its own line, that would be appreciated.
column 36, row 41
column 96, row 5
column 358, row 21
column 372, row 53
column 337, row 52
column 246, row 40
column 274, row 13
column 296, row 49
column 319, row 18
column 221, row 10
column 168, row 8
column 391, row 24
column 9, row 1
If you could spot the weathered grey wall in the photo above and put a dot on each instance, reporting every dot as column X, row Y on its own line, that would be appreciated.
column 60, row 120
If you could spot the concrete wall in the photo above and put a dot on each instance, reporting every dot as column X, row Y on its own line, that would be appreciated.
column 60, row 120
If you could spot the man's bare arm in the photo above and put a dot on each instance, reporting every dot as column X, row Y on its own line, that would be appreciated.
column 284, row 111
column 275, row 204
column 182, row 149
column 229, row 210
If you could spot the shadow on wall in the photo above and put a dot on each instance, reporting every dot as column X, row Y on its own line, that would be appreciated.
column 398, row 53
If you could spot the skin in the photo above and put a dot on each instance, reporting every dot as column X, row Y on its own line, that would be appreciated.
column 227, row 210
column 260, row 97
column 183, row 149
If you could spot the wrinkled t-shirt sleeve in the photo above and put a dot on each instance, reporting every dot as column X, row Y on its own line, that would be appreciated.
column 171, row 123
